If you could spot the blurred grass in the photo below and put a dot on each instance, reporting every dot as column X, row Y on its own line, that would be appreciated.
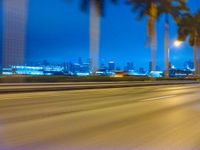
column 32, row 79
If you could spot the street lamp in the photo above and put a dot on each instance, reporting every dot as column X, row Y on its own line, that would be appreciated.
column 177, row 44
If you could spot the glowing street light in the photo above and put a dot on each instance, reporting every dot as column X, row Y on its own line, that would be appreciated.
column 178, row 43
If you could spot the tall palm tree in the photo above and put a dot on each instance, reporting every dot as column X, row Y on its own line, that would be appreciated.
column 153, row 9
column 175, row 9
column 96, row 8
column 189, row 27
column 148, row 8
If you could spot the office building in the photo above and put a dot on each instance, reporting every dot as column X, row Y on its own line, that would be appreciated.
column 111, row 65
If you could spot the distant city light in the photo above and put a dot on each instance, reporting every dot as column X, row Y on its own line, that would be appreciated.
column 173, row 67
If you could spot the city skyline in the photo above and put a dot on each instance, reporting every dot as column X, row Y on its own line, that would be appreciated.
column 103, row 64
column 56, row 35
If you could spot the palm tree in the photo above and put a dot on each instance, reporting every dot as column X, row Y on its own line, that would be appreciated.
column 153, row 9
column 174, row 8
column 96, row 11
column 189, row 27
column 148, row 8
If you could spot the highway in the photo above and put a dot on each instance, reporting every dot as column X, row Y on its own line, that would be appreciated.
column 63, row 86
column 163, row 117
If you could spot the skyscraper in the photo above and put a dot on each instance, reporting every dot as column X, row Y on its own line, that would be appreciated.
column 111, row 65
column 150, row 66
column 80, row 61
column 141, row 70
column 14, row 31
column 129, row 67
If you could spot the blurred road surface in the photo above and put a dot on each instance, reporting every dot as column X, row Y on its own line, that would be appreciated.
column 141, row 118
column 59, row 86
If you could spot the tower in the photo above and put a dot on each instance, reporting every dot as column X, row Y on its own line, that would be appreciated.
column 111, row 65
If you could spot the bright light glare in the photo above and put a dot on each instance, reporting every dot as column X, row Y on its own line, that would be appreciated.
column 178, row 43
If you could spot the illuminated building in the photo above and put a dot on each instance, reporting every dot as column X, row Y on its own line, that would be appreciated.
column 111, row 65
column 141, row 70
column 189, row 65
column 53, row 70
column 23, row 70
column 129, row 67
column 150, row 66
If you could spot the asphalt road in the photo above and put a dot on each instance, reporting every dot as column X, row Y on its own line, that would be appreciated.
column 63, row 86
column 141, row 118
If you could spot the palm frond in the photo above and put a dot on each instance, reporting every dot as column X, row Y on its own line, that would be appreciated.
column 98, row 4
column 189, row 27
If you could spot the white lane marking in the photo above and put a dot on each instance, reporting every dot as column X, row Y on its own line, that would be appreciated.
column 5, row 98
column 11, row 98
column 158, row 98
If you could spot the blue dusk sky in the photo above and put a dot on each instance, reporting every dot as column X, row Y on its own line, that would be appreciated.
column 58, row 31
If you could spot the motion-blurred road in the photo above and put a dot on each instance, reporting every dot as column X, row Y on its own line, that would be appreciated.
column 141, row 118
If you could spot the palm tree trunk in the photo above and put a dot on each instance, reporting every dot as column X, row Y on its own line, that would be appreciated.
column 166, row 47
column 198, row 57
column 94, row 37
column 153, row 35
column 196, row 66
column 195, row 61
